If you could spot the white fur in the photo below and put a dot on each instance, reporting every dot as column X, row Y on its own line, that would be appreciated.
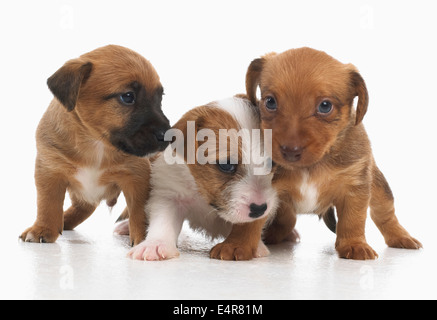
column 91, row 191
column 244, row 114
column 310, row 196
column 175, row 197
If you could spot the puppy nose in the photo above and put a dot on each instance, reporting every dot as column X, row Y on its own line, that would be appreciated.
column 159, row 134
column 256, row 210
column 292, row 154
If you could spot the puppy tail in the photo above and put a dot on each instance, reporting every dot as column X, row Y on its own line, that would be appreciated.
column 330, row 220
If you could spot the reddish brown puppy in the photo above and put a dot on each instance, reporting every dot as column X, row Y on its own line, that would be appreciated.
column 92, row 141
column 322, row 148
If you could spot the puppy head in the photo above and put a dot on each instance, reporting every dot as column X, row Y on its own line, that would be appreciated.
column 307, row 100
column 228, row 180
column 116, row 95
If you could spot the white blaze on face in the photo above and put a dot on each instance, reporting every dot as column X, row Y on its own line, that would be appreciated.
column 254, row 187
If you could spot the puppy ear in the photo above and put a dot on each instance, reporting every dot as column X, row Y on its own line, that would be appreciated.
column 66, row 82
column 253, row 77
column 359, row 89
column 188, row 126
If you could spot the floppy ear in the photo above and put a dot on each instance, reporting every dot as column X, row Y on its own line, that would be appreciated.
column 186, row 145
column 253, row 77
column 65, row 83
column 360, row 90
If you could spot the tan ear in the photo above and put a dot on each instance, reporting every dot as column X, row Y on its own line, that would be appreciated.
column 66, row 82
column 188, row 125
column 360, row 90
column 253, row 77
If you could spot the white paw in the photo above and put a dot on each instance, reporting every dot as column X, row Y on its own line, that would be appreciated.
column 153, row 251
column 122, row 228
column 262, row 251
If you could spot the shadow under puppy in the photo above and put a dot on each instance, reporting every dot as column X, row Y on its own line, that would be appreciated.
column 212, row 187
column 92, row 141
column 322, row 149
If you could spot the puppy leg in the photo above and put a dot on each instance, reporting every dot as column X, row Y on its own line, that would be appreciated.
column 136, row 193
column 351, row 241
column 382, row 212
column 164, row 229
column 77, row 213
column 282, row 227
column 242, row 244
column 137, row 219
column 51, row 189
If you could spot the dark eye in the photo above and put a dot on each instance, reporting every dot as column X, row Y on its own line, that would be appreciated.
column 270, row 104
column 325, row 107
column 128, row 98
column 227, row 167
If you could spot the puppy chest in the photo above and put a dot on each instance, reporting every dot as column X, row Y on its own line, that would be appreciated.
column 89, row 187
column 308, row 201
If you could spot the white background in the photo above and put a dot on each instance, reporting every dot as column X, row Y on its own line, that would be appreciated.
column 201, row 50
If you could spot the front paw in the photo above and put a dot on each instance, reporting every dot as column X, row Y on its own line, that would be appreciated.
column 355, row 250
column 404, row 242
column 39, row 235
column 153, row 251
column 233, row 251
column 136, row 238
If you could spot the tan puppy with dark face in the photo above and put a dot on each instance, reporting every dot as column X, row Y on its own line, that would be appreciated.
column 322, row 149
column 105, row 118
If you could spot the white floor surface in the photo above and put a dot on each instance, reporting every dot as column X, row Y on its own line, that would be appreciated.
column 91, row 263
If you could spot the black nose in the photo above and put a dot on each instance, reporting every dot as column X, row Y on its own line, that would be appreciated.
column 292, row 154
column 159, row 134
column 257, row 211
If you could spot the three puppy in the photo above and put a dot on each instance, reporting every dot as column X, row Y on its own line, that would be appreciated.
column 92, row 141
column 106, row 117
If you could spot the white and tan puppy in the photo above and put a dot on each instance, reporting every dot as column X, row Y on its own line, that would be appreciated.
column 231, row 189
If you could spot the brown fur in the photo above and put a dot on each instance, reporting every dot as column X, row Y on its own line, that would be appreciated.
column 335, row 154
column 77, row 132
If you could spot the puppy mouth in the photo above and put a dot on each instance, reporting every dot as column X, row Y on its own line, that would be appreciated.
column 142, row 143
column 242, row 213
column 141, row 151
column 294, row 157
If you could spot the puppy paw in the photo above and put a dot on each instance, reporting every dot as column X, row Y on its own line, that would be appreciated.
column 294, row 236
column 153, row 251
column 39, row 235
column 136, row 238
column 404, row 242
column 122, row 229
column 355, row 251
column 233, row 251
column 262, row 251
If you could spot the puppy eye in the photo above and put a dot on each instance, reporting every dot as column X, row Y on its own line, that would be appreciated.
column 325, row 107
column 227, row 167
column 270, row 104
column 128, row 98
